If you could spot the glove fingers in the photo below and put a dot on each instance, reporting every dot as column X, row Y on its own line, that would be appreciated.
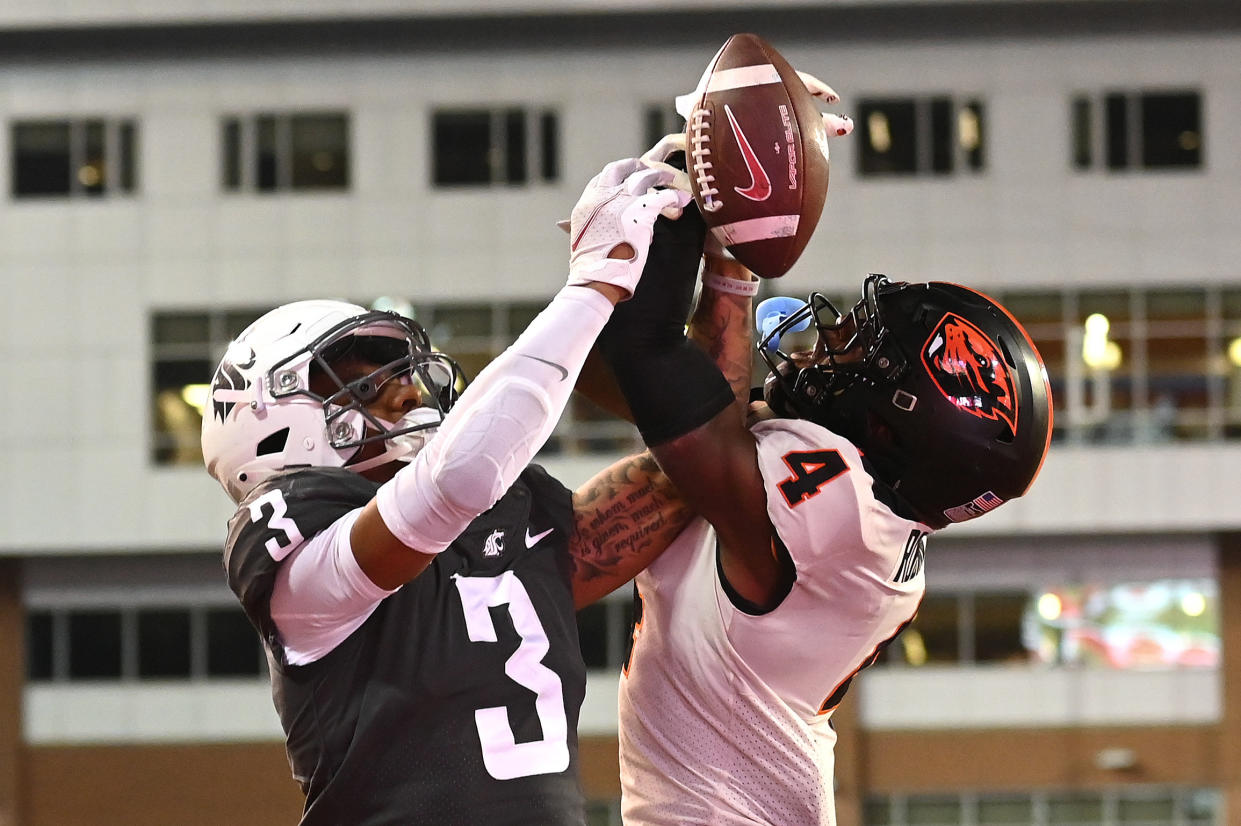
column 615, row 173
column 818, row 88
column 680, row 178
column 675, row 197
column 648, row 177
column 837, row 125
column 666, row 145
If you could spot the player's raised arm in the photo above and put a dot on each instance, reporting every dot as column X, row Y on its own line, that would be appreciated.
column 508, row 412
column 722, row 321
column 686, row 408
column 628, row 513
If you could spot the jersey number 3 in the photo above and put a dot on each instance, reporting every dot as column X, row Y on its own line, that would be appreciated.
column 503, row 756
column 279, row 525
column 812, row 469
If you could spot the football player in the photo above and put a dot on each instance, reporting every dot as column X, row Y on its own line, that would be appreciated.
column 922, row 406
column 413, row 578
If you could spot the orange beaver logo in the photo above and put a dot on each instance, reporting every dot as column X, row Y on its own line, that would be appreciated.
column 969, row 369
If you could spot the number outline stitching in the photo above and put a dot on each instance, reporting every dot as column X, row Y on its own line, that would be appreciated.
column 795, row 461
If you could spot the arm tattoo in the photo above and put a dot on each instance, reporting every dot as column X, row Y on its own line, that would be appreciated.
column 623, row 519
column 721, row 325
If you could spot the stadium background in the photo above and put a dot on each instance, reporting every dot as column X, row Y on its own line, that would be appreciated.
column 175, row 167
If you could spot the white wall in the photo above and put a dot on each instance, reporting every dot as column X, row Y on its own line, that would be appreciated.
column 80, row 277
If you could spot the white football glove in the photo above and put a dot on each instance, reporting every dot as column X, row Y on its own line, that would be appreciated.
column 619, row 206
column 837, row 126
column 655, row 158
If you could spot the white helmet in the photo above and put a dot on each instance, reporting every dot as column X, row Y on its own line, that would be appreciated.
column 262, row 416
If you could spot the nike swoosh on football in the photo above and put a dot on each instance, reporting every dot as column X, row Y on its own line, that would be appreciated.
column 760, row 185
column 531, row 541
column 564, row 374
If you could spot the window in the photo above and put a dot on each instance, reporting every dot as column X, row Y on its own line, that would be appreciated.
column 1181, row 387
column 163, row 643
column 75, row 158
column 94, row 644
column 936, row 810
column 1114, row 384
column 270, row 152
column 1137, row 130
column 1168, row 623
column 604, row 629
column 122, row 643
column 185, row 347
column 1164, row 623
column 474, row 334
column 920, row 136
column 660, row 119
column 933, row 636
column 495, row 147
column 1126, row 805
column 39, row 631
column 1230, row 347
column 1130, row 365
column 592, row 634
column 187, row 642
column 232, row 644
column 1005, row 809
column 971, row 627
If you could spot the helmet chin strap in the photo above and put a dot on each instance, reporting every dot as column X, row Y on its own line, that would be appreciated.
column 403, row 447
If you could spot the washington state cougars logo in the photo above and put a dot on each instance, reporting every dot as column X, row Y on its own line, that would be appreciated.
column 227, row 377
column 494, row 546
column 969, row 369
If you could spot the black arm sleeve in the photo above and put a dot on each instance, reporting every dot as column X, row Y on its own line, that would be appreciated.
column 671, row 385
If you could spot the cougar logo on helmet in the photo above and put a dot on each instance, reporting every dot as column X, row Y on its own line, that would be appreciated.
column 969, row 369
column 227, row 377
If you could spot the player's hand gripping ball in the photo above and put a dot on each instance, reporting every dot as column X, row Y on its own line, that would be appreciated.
column 758, row 157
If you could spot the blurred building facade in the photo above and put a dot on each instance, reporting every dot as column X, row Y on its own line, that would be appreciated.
column 173, row 171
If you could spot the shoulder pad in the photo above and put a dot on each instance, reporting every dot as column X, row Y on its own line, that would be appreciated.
column 274, row 519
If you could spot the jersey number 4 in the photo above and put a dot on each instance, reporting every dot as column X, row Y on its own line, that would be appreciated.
column 503, row 756
column 812, row 469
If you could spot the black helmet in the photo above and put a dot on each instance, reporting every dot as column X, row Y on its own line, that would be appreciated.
column 937, row 384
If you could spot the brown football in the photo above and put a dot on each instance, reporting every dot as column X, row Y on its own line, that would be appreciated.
column 758, row 160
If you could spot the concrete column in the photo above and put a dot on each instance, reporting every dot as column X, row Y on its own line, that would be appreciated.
column 12, row 679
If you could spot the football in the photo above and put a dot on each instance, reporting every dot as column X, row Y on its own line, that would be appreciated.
column 758, row 157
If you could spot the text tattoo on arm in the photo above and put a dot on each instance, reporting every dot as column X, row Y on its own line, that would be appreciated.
column 621, row 515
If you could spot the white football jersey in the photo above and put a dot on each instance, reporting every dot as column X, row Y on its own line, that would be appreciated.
column 725, row 715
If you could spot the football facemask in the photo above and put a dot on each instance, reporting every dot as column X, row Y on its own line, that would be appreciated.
column 264, row 415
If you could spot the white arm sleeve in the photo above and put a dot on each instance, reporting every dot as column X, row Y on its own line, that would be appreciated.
column 321, row 595
column 496, row 427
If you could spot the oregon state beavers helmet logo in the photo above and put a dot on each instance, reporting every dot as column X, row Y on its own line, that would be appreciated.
column 969, row 369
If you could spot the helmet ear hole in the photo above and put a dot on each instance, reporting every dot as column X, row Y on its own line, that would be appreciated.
column 274, row 443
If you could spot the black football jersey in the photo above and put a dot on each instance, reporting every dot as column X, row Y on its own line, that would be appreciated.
column 457, row 701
